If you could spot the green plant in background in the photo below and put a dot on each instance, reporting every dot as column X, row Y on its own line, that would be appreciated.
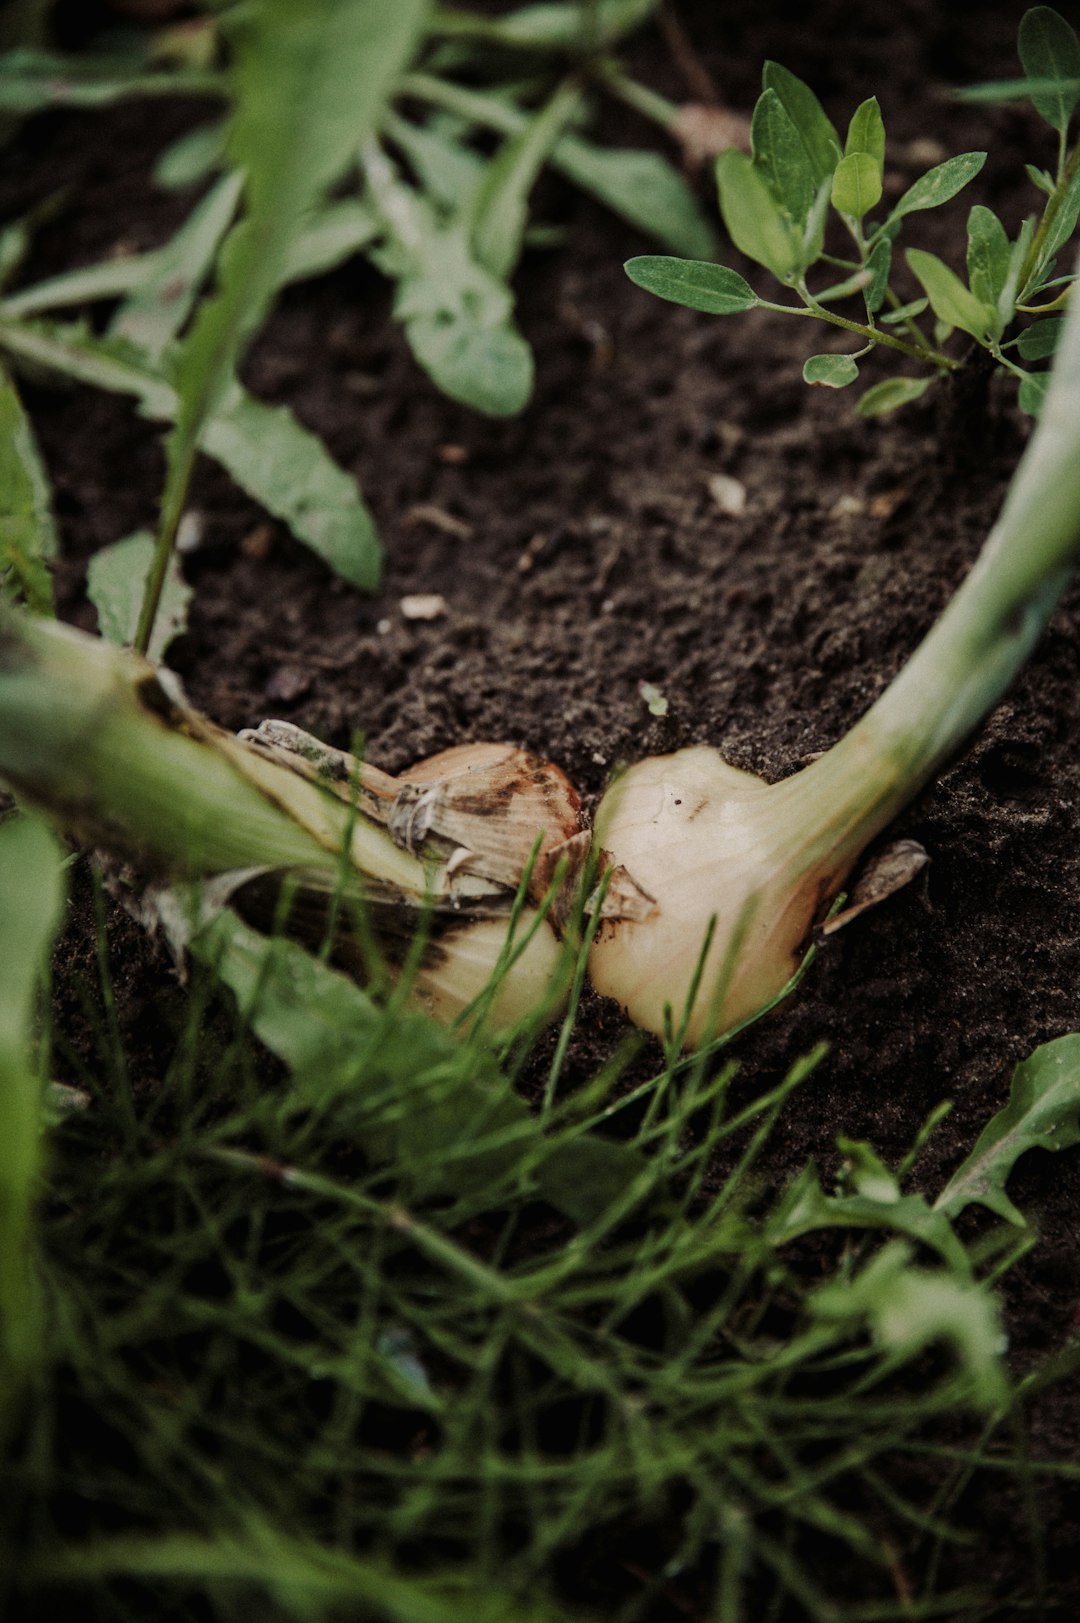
column 440, row 212
column 304, row 1324
column 779, row 205
column 437, row 195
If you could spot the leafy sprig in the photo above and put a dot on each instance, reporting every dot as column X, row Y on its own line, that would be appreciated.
column 779, row 202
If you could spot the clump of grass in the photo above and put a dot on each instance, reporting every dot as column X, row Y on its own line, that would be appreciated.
column 353, row 1334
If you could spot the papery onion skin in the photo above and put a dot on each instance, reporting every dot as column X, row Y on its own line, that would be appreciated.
column 706, row 839
column 460, row 965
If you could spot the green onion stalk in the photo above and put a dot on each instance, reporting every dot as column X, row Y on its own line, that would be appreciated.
column 716, row 879
column 754, row 866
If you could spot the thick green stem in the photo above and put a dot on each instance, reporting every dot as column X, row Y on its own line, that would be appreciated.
column 181, row 467
column 971, row 655
column 94, row 737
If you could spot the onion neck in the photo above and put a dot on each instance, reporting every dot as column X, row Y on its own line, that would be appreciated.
column 973, row 652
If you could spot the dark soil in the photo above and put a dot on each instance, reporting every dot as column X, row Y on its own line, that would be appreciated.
column 580, row 551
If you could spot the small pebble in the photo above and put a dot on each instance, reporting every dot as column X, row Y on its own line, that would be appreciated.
column 729, row 494
column 847, row 507
column 287, row 683
column 423, row 606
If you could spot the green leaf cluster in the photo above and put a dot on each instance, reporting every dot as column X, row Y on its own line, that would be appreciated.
column 777, row 202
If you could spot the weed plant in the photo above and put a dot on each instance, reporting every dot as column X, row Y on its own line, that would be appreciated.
column 802, row 204
column 331, row 1326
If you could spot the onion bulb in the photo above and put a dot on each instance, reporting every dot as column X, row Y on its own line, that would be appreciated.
column 697, row 834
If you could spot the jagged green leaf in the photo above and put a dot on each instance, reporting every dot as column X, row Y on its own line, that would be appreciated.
column 690, row 282
column 642, row 188
column 309, row 84
column 157, row 308
column 1049, row 51
column 289, row 471
column 273, row 457
column 27, row 531
column 115, row 582
column 498, row 208
column 458, row 316
column 1043, row 1112
column 448, row 171
column 806, row 1207
column 32, row 81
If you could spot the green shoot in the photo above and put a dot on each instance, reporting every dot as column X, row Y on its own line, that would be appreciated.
column 310, row 83
column 27, row 531
column 779, row 204
column 31, row 896
column 325, row 1316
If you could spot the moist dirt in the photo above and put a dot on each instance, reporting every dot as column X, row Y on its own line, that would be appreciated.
column 581, row 550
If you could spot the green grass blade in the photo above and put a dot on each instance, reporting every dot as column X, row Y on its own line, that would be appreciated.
column 31, row 894
column 27, row 532
column 310, row 83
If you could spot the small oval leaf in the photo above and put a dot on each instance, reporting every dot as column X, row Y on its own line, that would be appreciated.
column 866, row 132
column 889, row 395
column 693, row 283
column 1031, row 395
column 830, row 371
column 856, row 185
column 816, row 132
column 1041, row 340
column 1049, row 50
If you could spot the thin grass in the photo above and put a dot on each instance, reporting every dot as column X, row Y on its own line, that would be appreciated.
column 290, row 1377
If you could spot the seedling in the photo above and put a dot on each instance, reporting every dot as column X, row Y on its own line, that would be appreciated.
column 802, row 191
column 313, row 109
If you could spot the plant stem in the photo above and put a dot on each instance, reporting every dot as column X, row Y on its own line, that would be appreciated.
column 94, row 736
column 1032, row 262
column 872, row 335
column 647, row 102
column 971, row 655
column 174, row 496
